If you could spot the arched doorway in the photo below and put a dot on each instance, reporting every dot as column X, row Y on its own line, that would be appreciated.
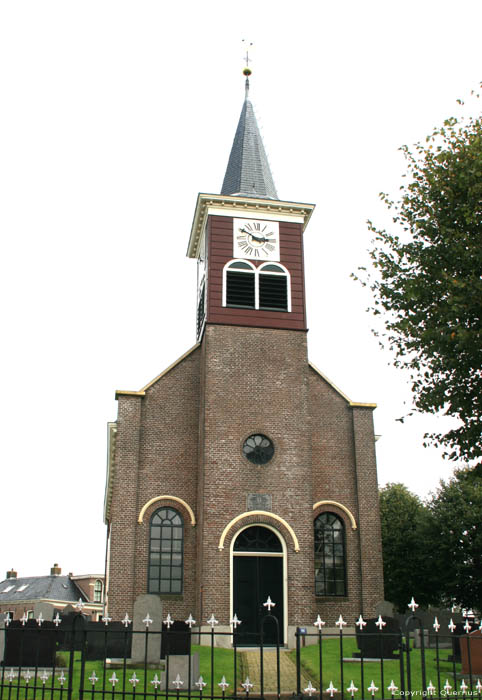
column 257, row 574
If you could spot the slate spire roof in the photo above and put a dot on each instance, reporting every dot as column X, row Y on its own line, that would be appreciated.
column 248, row 173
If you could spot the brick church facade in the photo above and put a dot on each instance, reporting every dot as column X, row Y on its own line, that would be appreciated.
column 241, row 471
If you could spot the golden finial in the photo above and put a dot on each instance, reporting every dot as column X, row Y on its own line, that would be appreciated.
column 247, row 70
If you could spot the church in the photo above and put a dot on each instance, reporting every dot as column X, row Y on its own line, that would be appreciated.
column 241, row 472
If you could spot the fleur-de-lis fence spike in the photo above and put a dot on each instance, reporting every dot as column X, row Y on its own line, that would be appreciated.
column 361, row 623
column 156, row 682
column 413, row 605
column 7, row 619
column 372, row 688
column 351, row 688
column 147, row 620
column 235, row 621
column 106, row 620
column 61, row 679
column 269, row 604
column 200, row 683
column 40, row 619
column 447, row 686
column 331, row 690
column 168, row 621
column 247, row 685
column 212, row 621
column 380, row 623
column 190, row 621
column 24, row 619
column 126, row 622
column 430, row 688
column 340, row 623
column 392, row 688
column 177, row 682
column 134, row 680
column 10, row 675
column 44, row 677
column 114, row 680
column 224, row 684
column 467, row 626
column 464, row 687
column 478, row 686
column 436, row 625
column 80, row 605
column 319, row 623
column 93, row 678
column 27, row 676
column 57, row 620
column 310, row 690
column 451, row 625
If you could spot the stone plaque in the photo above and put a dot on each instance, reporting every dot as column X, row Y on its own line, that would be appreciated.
column 259, row 501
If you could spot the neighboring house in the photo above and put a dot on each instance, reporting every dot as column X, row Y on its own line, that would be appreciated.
column 18, row 596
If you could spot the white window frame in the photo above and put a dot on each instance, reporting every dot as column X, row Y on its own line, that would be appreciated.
column 257, row 271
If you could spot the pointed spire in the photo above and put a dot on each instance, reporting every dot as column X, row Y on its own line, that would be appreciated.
column 248, row 173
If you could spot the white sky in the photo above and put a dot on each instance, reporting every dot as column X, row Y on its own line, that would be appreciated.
column 113, row 116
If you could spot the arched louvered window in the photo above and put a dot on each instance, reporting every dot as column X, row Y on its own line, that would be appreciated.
column 266, row 287
column 166, row 545
column 330, row 555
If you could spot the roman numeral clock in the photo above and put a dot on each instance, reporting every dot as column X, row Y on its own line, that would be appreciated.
column 256, row 239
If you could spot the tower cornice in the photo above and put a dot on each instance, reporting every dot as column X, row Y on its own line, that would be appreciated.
column 226, row 205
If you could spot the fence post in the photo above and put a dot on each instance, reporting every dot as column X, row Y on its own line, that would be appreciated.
column 298, row 662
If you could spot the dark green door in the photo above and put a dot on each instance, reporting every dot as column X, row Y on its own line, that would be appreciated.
column 256, row 578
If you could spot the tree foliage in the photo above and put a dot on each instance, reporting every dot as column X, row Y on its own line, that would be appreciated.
column 407, row 560
column 427, row 280
column 433, row 550
column 456, row 520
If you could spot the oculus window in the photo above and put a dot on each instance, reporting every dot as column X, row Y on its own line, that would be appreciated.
column 266, row 287
column 166, row 547
column 330, row 555
column 258, row 449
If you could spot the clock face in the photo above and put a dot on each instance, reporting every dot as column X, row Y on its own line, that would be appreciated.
column 255, row 239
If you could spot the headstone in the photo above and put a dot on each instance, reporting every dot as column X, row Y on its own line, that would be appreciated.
column 471, row 652
column 2, row 638
column 44, row 609
column 30, row 644
column 186, row 666
column 146, row 641
column 376, row 644
column 385, row 609
column 176, row 639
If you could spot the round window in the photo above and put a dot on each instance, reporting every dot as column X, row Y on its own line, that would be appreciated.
column 258, row 449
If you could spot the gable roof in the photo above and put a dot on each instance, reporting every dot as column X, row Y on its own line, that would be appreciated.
column 62, row 588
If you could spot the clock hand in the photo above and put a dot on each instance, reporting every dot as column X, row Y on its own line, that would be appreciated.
column 256, row 238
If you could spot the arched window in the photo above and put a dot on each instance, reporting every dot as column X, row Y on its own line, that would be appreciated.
column 166, row 540
column 98, row 591
column 330, row 557
column 266, row 287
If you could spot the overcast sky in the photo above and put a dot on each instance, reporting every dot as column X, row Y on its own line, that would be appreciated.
column 114, row 115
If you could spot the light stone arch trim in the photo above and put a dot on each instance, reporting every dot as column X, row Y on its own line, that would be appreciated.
column 266, row 513
column 170, row 498
column 342, row 507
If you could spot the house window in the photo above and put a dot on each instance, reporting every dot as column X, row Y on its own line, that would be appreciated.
column 166, row 540
column 98, row 591
column 330, row 557
column 266, row 287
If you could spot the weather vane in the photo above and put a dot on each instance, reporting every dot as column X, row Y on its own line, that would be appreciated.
column 247, row 70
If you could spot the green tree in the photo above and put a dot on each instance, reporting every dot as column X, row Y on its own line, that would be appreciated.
column 409, row 553
column 456, row 523
column 427, row 280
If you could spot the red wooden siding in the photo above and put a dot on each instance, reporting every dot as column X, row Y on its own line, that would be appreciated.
column 220, row 251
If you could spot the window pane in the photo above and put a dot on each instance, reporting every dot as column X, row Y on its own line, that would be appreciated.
column 240, row 289
column 166, row 578
column 273, row 292
column 330, row 558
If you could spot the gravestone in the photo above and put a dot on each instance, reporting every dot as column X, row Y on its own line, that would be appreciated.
column 146, row 641
column 376, row 644
column 186, row 666
column 471, row 652
column 30, row 644
column 44, row 609
column 2, row 638
column 176, row 639
column 385, row 609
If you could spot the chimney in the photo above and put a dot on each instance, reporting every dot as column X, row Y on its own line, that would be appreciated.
column 11, row 574
column 55, row 570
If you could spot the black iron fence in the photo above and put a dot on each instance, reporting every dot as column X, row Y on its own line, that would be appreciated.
column 74, row 658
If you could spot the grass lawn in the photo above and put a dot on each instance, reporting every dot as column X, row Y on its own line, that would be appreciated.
column 327, row 666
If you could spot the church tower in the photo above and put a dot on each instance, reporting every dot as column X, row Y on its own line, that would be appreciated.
column 241, row 472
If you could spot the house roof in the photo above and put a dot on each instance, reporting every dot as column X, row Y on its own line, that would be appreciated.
column 40, row 587
column 248, row 173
